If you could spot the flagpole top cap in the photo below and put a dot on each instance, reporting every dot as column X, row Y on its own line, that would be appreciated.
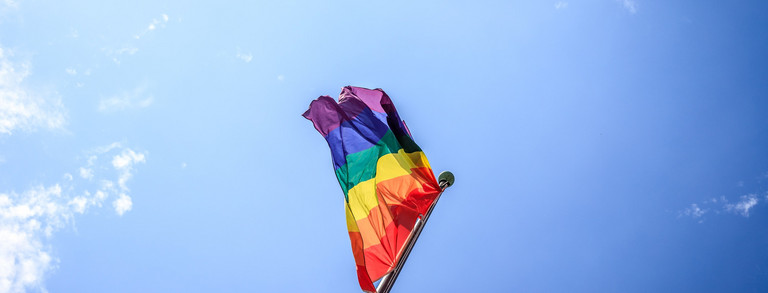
column 447, row 177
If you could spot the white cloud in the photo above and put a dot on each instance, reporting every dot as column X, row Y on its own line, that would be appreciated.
column 29, row 219
column 79, row 203
column 116, row 55
column 102, row 149
column 246, row 57
column 21, row 108
column 281, row 77
column 561, row 5
column 126, row 159
column 153, row 25
column 694, row 211
column 137, row 98
column 86, row 173
column 10, row 3
column 630, row 5
column 743, row 206
column 127, row 50
column 123, row 163
column 71, row 71
column 122, row 204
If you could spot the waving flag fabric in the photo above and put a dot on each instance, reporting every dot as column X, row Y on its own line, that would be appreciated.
column 386, row 178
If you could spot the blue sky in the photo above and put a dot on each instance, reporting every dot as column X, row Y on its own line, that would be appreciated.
column 598, row 146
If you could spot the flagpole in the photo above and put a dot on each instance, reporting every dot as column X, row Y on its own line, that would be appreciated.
column 445, row 180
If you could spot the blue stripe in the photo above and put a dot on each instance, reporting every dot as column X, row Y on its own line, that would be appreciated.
column 358, row 134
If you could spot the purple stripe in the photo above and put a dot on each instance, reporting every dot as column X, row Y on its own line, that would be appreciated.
column 327, row 115
column 356, row 123
column 372, row 98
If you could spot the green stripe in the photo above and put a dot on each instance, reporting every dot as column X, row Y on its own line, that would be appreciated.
column 409, row 146
column 361, row 166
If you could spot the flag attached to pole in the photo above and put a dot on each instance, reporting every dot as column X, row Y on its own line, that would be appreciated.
column 386, row 178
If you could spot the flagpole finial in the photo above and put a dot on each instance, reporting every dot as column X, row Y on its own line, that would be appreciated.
column 447, row 177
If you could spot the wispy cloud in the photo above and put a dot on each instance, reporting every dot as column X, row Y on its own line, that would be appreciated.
column 630, row 5
column 561, row 5
column 127, row 50
column 693, row 211
column 246, row 57
column 123, row 163
column 117, row 54
column 122, row 204
column 130, row 46
column 743, row 206
column 111, row 159
column 153, row 25
column 722, row 205
column 10, row 3
column 29, row 219
column 136, row 98
column 22, row 108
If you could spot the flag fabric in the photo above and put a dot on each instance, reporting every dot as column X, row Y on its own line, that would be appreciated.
column 386, row 178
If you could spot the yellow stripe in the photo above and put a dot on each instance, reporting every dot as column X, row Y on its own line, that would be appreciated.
column 362, row 197
column 398, row 164
column 351, row 224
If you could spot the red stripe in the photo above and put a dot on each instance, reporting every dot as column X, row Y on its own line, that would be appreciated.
column 365, row 282
column 405, row 197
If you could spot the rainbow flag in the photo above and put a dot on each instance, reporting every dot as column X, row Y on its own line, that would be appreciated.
column 386, row 178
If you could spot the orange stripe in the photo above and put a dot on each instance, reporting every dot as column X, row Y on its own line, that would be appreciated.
column 415, row 190
column 373, row 226
column 379, row 236
column 381, row 258
column 361, row 197
column 357, row 248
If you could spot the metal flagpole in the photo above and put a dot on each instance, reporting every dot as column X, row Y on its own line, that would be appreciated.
column 445, row 179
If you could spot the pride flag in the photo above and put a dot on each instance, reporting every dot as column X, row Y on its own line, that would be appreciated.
column 386, row 178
